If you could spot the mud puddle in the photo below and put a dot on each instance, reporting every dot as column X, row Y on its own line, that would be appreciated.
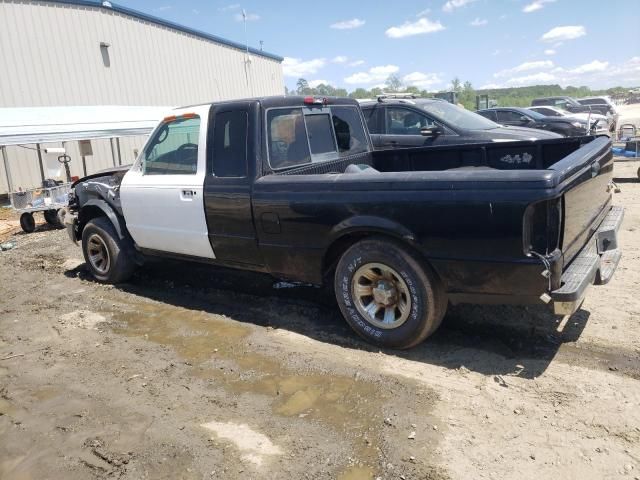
column 217, row 349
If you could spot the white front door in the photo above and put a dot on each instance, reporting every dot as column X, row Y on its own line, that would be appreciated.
column 162, row 194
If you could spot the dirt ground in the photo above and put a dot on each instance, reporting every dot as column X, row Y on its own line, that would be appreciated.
column 189, row 372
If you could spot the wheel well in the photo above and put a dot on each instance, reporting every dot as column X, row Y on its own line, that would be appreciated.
column 86, row 214
column 342, row 244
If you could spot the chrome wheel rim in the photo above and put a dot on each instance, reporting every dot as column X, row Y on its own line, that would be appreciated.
column 381, row 295
column 98, row 254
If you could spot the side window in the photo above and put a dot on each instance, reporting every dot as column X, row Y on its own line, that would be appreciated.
column 561, row 103
column 287, row 138
column 402, row 121
column 507, row 116
column 491, row 115
column 173, row 150
column 230, row 144
column 371, row 116
column 350, row 135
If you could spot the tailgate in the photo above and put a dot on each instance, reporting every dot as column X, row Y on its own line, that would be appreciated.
column 586, row 176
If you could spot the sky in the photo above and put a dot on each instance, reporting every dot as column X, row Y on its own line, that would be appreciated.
column 426, row 43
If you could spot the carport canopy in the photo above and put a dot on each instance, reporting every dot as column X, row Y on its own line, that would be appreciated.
column 32, row 125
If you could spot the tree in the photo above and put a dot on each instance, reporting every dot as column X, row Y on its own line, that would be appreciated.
column 456, row 86
column 303, row 87
column 393, row 83
column 360, row 93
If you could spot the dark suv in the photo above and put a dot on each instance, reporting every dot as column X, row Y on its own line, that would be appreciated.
column 570, row 104
column 412, row 122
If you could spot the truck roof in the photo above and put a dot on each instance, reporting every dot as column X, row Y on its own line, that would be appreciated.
column 282, row 101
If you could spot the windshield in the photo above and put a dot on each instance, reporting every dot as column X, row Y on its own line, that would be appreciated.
column 458, row 116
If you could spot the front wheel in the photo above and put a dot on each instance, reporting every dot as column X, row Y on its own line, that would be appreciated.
column 388, row 296
column 105, row 253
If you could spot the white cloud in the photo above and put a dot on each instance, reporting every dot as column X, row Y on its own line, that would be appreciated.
column 595, row 74
column 424, row 12
column 595, row 66
column 294, row 67
column 422, row 80
column 233, row 6
column 549, row 51
column 315, row 83
column 357, row 63
column 536, row 5
column 421, row 26
column 533, row 79
column 479, row 22
column 451, row 5
column 375, row 74
column 340, row 59
column 163, row 8
column 524, row 67
column 559, row 34
column 348, row 24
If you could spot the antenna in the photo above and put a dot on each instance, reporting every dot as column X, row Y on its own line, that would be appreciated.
column 247, row 60
column 246, row 37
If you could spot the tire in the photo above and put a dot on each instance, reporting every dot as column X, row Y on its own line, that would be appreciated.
column 60, row 215
column 105, row 254
column 27, row 222
column 51, row 217
column 405, row 298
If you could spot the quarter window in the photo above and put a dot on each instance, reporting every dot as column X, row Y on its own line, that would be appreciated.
column 173, row 150
column 230, row 144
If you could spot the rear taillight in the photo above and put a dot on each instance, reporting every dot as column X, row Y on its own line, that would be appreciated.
column 542, row 227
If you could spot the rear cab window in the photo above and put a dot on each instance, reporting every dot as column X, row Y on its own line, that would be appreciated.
column 300, row 136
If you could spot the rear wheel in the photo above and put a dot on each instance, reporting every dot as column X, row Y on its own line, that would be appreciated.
column 105, row 253
column 27, row 222
column 388, row 296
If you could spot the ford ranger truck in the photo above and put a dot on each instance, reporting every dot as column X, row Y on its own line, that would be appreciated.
column 291, row 186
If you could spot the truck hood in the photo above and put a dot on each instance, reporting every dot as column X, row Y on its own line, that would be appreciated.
column 103, row 173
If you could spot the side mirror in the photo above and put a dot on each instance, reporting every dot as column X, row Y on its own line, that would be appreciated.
column 525, row 119
column 431, row 131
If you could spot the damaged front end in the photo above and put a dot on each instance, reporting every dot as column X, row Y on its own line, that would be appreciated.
column 94, row 196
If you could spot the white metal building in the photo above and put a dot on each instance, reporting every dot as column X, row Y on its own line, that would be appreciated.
column 85, row 52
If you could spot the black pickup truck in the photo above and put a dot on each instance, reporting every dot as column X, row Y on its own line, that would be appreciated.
column 292, row 186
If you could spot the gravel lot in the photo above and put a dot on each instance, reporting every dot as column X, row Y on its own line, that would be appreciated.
column 190, row 372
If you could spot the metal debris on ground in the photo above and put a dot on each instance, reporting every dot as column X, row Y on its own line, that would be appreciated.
column 11, row 244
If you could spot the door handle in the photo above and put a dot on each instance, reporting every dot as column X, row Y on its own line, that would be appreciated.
column 189, row 193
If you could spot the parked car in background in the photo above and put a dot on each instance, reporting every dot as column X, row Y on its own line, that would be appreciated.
column 523, row 117
column 569, row 104
column 600, row 124
column 411, row 122
column 600, row 101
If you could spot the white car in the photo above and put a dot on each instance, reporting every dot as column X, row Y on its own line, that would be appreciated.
column 602, row 127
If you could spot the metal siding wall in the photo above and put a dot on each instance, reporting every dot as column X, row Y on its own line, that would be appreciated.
column 50, row 55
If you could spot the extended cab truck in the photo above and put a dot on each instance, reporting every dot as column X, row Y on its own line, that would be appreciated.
column 291, row 186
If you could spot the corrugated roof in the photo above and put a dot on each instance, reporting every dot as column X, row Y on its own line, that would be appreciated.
column 165, row 23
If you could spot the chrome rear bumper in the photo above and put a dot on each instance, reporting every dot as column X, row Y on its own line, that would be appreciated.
column 594, row 264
